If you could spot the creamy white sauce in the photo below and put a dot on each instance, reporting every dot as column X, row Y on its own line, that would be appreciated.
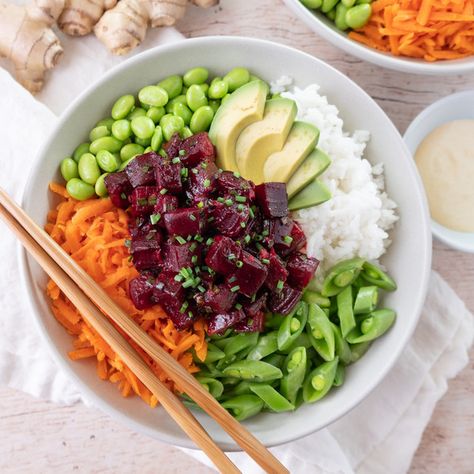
column 445, row 159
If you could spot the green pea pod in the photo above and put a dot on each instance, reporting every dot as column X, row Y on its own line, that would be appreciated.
column 276, row 360
column 213, row 386
column 343, row 351
column 213, row 353
column 372, row 326
column 375, row 275
column 254, row 370
column 266, row 345
column 341, row 275
column 366, row 299
column 272, row 399
column 243, row 406
column 319, row 381
column 345, row 311
column 320, row 332
column 316, row 298
column 240, row 342
column 292, row 326
column 274, row 320
column 242, row 388
column 294, row 370
column 358, row 350
column 211, row 371
column 340, row 376
column 301, row 340
column 220, row 337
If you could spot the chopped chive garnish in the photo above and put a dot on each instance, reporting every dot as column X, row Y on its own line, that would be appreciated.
column 235, row 288
column 240, row 198
column 123, row 195
column 240, row 207
column 249, row 322
column 195, row 171
column 280, row 284
column 238, row 306
column 184, row 272
column 232, row 279
column 228, row 202
column 154, row 218
column 203, row 165
column 207, row 183
column 193, row 246
column 201, row 289
column 192, row 217
column 199, row 238
column 178, row 278
column 163, row 191
column 197, row 280
column 189, row 237
column 259, row 246
column 239, row 264
column 128, row 243
column 254, row 297
column 265, row 261
column 200, row 204
column 175, row 161
column 236, row 174
column 247, row 239
column 220, row 199
column 287, row 239
column 190, row 314
column 265, row 233
column 184, row 172
column 194, row 259
column 163, row 153
column 251, row 212
column 243, row 225
column 181, row 152
column 184, row 307
column 210, row 219
column 209, row 241
column 180, row 240
column 189, row 282
column 231, row 256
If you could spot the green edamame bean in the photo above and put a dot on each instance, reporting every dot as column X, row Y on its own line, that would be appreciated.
column 143, row 127
column 88, row 168
column 185, row 133
column 170, row 124
column 181, row 99
column 225, row 98
column 123, row 106
column 358, row 16
column 328, row 5
column 195, row 97
column 136, row 112
column 80, row 150
column 155, row 113
column 100, row 188
column 126, row 163
column 218, row 89
column 182, row 110
column 154, row 96
column 144, row 142
column 98, row 132
column 69, row 169
column 157, row 139
column 79, row 190
column 108, row 161
column 331, row 14
column 105, row 143
column 173, row 85
column 121, row 129
column 348, row 3
column 340, row 20
column 236, row 78
column 201, row 119
column 204, row 88
column 312, row 3
column 197, row 75
column 148, row 149
column 359, row 2
column 130, row 150
column 214, row 105
column 108, row 122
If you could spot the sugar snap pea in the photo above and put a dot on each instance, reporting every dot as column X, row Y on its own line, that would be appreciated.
column 243, row 406
column 311, row 296
column 292, row 326
column 358, row 350
column 254, row 370
column 340, row 376
column 266, row 345
column 341, row 275
column 375, row 275
column 212, row 385
column 366, row 299
column 343, row 351
column 301, row 340
column 271, row 398
column 345, row 310
column 372, row 326
column 294, row 370
column 320, row 332
column 319, row 381
column 276, row 360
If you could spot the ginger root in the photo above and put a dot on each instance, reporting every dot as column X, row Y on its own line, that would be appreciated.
column 123, row 27
column 27, row 40
column 79, row 17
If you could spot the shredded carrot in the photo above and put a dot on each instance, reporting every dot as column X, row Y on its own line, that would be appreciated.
column 426, row 29
column 93, row 232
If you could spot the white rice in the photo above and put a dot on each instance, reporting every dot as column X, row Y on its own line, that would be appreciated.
column 356, row 221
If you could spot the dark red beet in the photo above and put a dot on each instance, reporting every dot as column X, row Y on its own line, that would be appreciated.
column 299, row 239
column 196, row 149
column 272, row 199
column 285, row 300
column 167, row 291
column 280, row 235
column 141, row 170
column 181, row 319
column 253, row 308
column 177, row 256
column 147, row 259
column 173, row 146
column 220, row 322
column 119, row 189
column 276, row 270
column 168, row 176
column 229, row 220
column 254, row 323
column 148, row 238
column 219, row 299
column 141, row 291
column 301, row 269
column 185, row 221
column 144, row 199
column 201, row 181
column 248, row 279
column 233, row 184
column 223, row 255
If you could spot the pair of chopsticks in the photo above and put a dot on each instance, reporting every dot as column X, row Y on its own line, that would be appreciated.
column 92, row 301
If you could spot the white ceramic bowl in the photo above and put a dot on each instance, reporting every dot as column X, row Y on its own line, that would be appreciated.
column 409, row 257
column 458, row 106
column 327, row 30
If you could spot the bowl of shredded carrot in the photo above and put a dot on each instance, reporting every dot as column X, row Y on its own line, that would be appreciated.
column 433, row 37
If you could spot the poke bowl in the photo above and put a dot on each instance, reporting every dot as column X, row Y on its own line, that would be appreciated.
column 359, row 42
column 101, row 234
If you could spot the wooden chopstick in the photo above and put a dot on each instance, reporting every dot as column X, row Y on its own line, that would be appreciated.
column 170, row 402
column 185, row 381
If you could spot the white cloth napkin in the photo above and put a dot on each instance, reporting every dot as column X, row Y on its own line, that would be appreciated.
column 380, row 435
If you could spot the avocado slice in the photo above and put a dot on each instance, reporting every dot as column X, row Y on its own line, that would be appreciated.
column 261, row 139
column 313, row 194
column 244, row 106
column 315, row 163
column 280, row 166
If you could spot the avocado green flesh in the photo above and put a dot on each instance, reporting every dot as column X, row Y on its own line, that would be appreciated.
column 281, row 165
column 245, row 106
column 313, row 194
column 262, row 138
column 315, row 164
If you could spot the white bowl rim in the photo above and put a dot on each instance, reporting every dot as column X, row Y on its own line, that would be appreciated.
column 452, row 238
column 387, row 60
column 425, row 246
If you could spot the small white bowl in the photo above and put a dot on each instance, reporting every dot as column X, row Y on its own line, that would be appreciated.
column 327, row 30
column 458, row 106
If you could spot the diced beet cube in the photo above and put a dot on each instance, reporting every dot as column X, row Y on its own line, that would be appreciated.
column 273, row 199
column 141, row 170
column 229, row 220
column 173, row 146
column 219, row 299
column 285, row 300
column 141, row 291
column 197, row 148
column 279, row 234
column 249, row 276
column 184, row 221
column 144, row 199
column 167, row 291
column 254, row 323
column 220, row 322
column 252, row 308
column 119, row 189
column 168, row 176
column 177, row 256
column 166, row 203
column 223, row 255
column 147, row 259
column 181, row 319
column 233, row 184
column 277, row 273
column 298, row 236
column 301, row 269
column 148, row 238
column 201, row 181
